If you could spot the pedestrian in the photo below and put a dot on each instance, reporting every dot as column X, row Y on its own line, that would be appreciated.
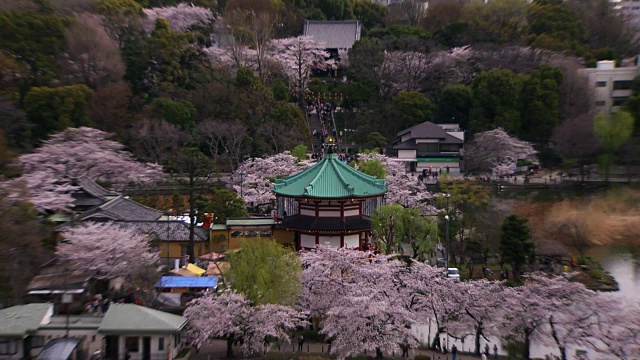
column 300, row 343
column 486, row 349
column 405, row 350
column 127, row 354
column 447, row 169
column 454, row 352
column 495, row 351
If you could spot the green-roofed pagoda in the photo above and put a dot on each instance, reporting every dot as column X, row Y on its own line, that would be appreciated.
column 329, row 203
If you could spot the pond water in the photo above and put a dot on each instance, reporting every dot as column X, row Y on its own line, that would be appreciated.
column 623, row 263
column 620, row 261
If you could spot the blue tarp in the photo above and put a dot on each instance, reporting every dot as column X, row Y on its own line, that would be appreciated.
column 187, row 282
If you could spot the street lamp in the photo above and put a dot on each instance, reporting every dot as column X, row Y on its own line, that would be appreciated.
column 446, row 218
column 242, row 173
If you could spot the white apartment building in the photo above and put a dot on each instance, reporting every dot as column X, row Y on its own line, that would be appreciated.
column 612, row 84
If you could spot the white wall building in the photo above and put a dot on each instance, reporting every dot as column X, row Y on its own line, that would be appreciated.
column 612, row 84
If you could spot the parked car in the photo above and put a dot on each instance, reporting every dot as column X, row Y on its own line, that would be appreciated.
column 453, row 273
column 440, row 262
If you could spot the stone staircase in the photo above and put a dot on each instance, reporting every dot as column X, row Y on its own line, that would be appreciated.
column 315, row 124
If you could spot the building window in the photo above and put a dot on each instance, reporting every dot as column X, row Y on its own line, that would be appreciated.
column 618, row 101
column 93, row 338
column 601, row 83
column 37, row 341
column 8, row 346
column 160, row 343
column 622, row 85
column 131, row 343
column 428, row 148
column 601, row 103
column 449, row 148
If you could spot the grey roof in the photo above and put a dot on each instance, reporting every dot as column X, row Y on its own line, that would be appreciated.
column 60, row 281
column 92, row 188
column 169, row 230
column 19, row 321
column 334, row 34
column 59, row 349
column 406, row 145
column 134, row 319
column 425, row 130
column 121, row 208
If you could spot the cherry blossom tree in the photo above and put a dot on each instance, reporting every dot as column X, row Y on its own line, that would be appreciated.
column 403, row 71
column 326, row 275
column 372, row 314
column 613, row 327
column 368, row 302
column 232, row 57
column 77, row 152
column 402, row 187
column 527, row 308
column 481, row 303
column 495, row 150
column 182, row 17
column 232, row 317
column 112, row 250
column 561, row 330
column 430, row 295
column 298, row 56
column 254, row 178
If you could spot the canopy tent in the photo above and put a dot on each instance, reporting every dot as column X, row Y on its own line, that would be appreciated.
column 212, row 256
column 217, row 268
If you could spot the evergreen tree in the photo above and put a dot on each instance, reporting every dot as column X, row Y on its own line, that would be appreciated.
column 516, row 247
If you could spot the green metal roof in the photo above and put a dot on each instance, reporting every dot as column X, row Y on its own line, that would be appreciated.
column 19, row 321
column 134, row 319
column 330, row 179
column 218, row 227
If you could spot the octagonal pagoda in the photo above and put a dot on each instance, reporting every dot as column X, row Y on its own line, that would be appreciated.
column 329, row 203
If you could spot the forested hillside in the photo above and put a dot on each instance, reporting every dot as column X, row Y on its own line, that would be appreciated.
column 165, row 74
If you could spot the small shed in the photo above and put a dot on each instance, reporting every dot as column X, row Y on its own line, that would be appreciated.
column 142, row 332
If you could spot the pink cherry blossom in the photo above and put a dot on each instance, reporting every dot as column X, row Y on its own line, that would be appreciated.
column 298, row 56
column 182, row 17
column 111, row 250
column 402, row 188
column 232, row 317
column 77, row 152
column 495, row 150
column 255, row 185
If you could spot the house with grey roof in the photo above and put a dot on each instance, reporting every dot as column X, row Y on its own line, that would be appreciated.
column 172, row 237
column 30, row 331
column 18, row 326
column 119, row 209
column 334, row 34
column 431, row 147
column 90, row 194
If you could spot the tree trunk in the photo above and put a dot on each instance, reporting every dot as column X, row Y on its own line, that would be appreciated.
column 554, row 334
column 378, row 353
column 477, row 340
column 527, row 344
column 230, row 347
